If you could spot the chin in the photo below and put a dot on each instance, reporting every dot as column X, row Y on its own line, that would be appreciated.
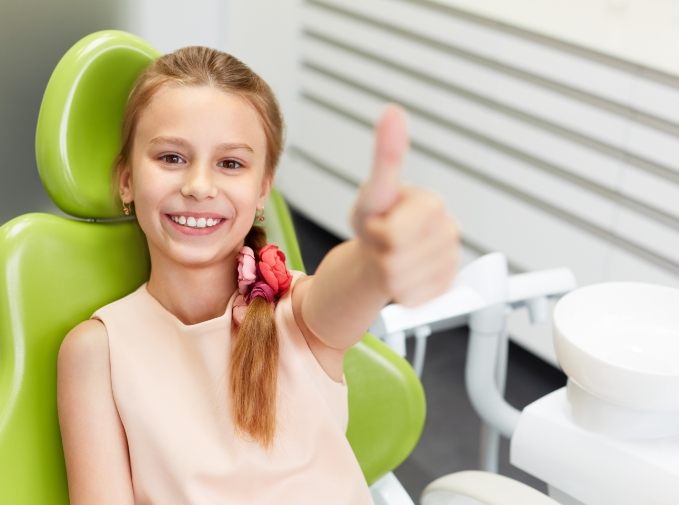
column 196, row 257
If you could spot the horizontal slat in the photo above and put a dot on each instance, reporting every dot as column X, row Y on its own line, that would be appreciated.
column 655, row 145
column 530, row 92
column 317, row 194
column 495, row 163
column 623, row 266
column 295, row 167
column 479, row 81
column 522, row 57
column 411, row 19
column 492, row 228
column 496, row 220
column 589, row 211
column 661, row 242
column 562, row 153
column 499, row 222
column 653, row 191
column 580, row 74
column 333, row 139
column 517, row 177
column 656, row 98
column 588, row 73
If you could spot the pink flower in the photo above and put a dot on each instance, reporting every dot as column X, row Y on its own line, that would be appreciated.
column 272, row 269
column 247, row 269
column 262, row 289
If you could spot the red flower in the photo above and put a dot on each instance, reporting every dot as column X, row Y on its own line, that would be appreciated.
column 272, row 268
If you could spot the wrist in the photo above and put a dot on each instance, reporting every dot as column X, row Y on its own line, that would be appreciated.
column 370, row 272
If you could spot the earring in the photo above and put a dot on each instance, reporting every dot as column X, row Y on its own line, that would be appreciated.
column 127, row 208
column 259, row 215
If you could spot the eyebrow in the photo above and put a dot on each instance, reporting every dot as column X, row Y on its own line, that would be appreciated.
column 227, row 146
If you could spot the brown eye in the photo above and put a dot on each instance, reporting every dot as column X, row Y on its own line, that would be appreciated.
column 230, row 164
column 171, row 159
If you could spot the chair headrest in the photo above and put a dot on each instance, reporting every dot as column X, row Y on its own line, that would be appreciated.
column 80, row 120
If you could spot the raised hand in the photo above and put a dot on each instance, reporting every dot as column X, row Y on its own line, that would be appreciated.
column 405, row 232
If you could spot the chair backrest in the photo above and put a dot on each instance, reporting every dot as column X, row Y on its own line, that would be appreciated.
column 55, row 271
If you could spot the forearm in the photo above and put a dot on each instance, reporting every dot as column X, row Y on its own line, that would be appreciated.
column 345, row 296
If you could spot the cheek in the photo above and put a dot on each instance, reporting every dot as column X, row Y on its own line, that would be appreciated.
column 242, row 192
column 148, row 198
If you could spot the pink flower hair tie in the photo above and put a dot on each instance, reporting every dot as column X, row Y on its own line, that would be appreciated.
column 247, row 269
column 267, row 278
column 262, row 289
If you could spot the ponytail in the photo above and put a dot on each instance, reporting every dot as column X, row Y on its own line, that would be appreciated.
column 254, row 363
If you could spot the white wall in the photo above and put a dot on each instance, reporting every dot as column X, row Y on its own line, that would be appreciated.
column 554, row 153
column 34, row 35
column 171, row 24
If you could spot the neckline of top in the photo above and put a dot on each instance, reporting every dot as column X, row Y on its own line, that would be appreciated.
column 201, row 325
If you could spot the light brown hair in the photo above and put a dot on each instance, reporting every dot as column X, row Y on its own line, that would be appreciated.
column 254, row 355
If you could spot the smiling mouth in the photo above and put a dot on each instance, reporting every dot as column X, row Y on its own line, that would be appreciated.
column 195, row 222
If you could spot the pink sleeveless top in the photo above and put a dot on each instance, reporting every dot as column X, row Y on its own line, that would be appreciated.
column 169, row 384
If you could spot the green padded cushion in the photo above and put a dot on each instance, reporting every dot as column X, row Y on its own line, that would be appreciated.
column 54, row 273
column 386, row 407
column 80, row 119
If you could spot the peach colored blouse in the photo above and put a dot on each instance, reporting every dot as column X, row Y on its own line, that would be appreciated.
column 169, row 386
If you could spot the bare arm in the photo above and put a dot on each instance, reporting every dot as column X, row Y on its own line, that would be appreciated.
column 405, row 250
column 95, row 446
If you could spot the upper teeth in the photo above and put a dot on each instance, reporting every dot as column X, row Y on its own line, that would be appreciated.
column 191, row 221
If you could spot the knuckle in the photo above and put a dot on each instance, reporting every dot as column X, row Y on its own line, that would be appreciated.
column 432, row 201
column 390, row 236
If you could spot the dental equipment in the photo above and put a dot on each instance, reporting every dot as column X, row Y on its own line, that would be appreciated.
column 482, row 297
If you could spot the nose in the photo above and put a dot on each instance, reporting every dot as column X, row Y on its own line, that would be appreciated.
column 199, row 182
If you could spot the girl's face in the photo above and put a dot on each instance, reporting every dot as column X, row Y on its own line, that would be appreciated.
column 198, row 157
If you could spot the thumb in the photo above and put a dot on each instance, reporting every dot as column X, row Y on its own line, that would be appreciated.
column 382, row 189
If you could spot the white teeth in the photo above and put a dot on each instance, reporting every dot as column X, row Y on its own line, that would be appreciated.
column 192, row 222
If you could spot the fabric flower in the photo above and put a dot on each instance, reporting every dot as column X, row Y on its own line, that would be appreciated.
column 272, row 269
column 267, row 278
column 262, row 289
column 247, row 269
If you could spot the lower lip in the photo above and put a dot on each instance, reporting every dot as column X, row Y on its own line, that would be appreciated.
column 195, row 231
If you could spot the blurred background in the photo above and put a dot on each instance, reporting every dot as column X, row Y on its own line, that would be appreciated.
column 550, row 128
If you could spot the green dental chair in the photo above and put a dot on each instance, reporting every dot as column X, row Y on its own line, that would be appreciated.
column 55, row 271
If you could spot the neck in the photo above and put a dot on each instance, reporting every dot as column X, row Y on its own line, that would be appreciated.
column 193, row 294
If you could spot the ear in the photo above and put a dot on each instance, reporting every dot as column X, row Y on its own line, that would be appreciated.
column 265, row 191
column 125, row 184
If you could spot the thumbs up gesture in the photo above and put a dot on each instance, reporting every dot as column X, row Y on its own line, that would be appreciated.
column 405, row 232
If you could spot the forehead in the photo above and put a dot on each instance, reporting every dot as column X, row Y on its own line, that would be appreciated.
column 203, row 115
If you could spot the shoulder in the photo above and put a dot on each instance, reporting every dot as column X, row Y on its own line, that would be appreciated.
column 92, row 434
column 86, row 345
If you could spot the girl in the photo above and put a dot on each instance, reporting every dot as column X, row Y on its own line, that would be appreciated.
column 219, row 380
